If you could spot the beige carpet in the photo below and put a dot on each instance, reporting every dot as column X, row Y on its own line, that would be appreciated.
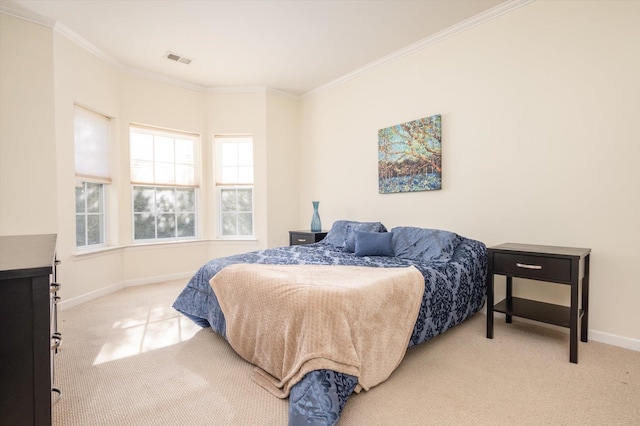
column 129, row 359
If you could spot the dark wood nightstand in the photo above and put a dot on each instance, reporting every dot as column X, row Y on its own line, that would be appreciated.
column 561, row 265
column 305, row 237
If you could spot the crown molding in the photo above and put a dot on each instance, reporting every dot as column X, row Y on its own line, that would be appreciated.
column 465, row 25
column 252, row 89
column 236, row 89
column 27, row 15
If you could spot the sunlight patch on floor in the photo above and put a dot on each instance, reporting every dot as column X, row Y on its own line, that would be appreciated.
column 146, row 330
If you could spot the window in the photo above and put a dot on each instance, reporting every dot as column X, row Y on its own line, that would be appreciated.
column 91, row 144
column 234, row 180
column 164, row 184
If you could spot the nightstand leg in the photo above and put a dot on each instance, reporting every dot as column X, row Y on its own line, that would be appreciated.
column 585, row 302
column 490, row 302
column 574, row 312
column 508, row 316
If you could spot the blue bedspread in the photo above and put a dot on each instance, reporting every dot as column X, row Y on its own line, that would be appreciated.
column 454, row 290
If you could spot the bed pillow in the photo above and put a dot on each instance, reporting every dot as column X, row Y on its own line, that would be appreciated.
column 342, row 233
column 373, row 243
column 424, row 245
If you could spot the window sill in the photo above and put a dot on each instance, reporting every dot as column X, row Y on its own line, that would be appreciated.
column 148, row 244
column 94, row 252
column 105, row 250
column 237, row 240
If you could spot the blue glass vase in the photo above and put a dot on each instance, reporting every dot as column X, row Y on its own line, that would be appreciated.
column 316, row 226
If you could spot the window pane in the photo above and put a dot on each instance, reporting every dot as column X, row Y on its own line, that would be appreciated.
column 245, row 224
column 91, row 141
column 141, row 147
column 144, row 226
column 184, row 174
column 162, row 221
column 229, row 224
column 94, row 198
column 244, row 200
column 229, row 174
column 80, row 230
column 245, row 175
column 245, row 154
column 229, row 154
column 143, row 199
column 228, row 200
column 164, row 149
column 159, row 157
column 184, row 151
column 80, row 198
column 165, row 199
column 94, row 229
column 166, row 225
column 186, row 225
column 89, row 213
column 165, row 173
column 186, row 200
column 142, row 171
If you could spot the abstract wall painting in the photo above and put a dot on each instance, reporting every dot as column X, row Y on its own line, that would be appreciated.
column 410, row 156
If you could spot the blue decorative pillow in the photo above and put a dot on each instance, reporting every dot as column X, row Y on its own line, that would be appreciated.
column 424, row 245
column 373, row 243
column 342, row 232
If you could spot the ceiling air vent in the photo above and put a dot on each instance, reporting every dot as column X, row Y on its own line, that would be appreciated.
column 178, row 58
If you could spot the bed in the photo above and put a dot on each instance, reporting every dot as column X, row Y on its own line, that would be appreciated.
column 454, row 270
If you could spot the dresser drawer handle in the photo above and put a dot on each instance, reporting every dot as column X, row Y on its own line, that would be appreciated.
column 525, row 266
column 302, row 240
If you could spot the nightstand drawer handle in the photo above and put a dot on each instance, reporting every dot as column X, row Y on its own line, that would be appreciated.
column 525, row 266
column 302, row 240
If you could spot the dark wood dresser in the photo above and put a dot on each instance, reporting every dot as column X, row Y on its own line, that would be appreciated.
column 26, row 265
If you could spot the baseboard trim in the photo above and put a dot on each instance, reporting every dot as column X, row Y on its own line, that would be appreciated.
column 615, row 340
column 75, row 301
column 595, row 335
column 158, row 279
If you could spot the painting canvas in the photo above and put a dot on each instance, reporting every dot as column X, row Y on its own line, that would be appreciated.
column 410, row 156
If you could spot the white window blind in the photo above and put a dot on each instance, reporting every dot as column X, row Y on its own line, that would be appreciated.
column 91, row 140
column 234, row 160
column 163, row 157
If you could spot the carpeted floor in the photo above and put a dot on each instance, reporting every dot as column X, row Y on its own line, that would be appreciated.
column 129, row 359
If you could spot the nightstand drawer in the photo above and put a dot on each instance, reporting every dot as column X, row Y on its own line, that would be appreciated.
column 305, row 237
column 302, row 238
column 533, row 267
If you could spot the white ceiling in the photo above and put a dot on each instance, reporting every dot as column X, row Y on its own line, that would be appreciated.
column 293, row 46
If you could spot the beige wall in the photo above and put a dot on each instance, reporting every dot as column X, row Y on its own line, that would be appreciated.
column 540, row 143
column 284, row 166
column 27, row 140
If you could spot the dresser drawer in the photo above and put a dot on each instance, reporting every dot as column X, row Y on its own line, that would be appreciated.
column 533, row 267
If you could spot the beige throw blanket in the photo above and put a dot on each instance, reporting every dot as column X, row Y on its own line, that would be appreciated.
column 289, row 320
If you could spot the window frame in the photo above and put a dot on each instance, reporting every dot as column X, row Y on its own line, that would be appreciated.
column 102, row 214
column 156, row 213
column 157, row 186
column 233, row 184
column 98, row 157
column 237, row 213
